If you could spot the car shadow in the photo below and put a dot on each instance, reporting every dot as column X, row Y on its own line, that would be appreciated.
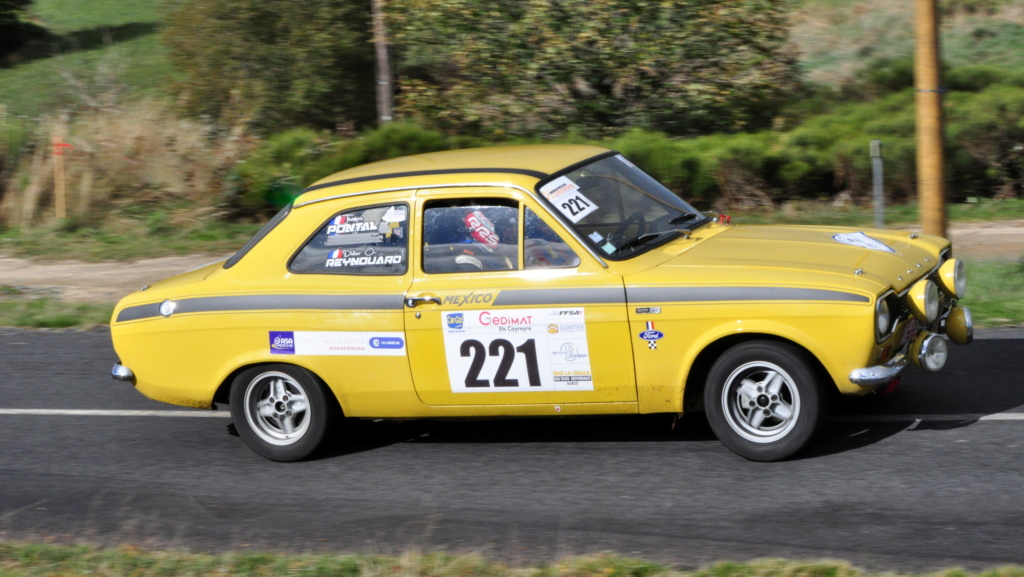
column 979, row 380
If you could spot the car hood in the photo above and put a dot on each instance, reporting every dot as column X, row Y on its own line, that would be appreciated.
column 812, row 255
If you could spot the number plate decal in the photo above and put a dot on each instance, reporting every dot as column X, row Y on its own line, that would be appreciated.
column 566, row 196
column 517, row 350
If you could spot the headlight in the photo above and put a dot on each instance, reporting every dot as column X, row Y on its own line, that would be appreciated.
column 953, row 278
column 924, row 301
column 883, row 318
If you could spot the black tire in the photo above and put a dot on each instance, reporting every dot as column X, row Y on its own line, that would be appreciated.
column 763, row 400
column 282, row 412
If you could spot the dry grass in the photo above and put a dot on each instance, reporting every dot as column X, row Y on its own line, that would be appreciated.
column 121, row 158
column 837, row 38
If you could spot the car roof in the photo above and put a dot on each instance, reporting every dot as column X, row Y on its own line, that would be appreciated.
column 524, row 165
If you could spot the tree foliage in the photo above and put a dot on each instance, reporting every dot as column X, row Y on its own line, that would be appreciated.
column 274, row 64
column 544, row 66
column 10, row 23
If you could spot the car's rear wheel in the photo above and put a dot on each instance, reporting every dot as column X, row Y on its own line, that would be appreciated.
column 763, row 400
column 282, row 412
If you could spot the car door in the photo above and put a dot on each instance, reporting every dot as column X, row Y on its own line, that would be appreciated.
column 504, row 312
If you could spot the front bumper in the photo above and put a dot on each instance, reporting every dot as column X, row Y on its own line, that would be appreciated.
column 122, row 373
column 927, row 351
column 880, row 374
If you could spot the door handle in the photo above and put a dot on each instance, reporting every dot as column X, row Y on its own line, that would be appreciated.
column 412, row 302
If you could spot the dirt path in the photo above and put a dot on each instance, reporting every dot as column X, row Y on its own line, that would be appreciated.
column 106, row 282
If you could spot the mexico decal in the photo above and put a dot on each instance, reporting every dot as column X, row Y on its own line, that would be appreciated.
column 517, row 350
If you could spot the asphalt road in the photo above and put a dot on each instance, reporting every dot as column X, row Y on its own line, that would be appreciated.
column 928, row 478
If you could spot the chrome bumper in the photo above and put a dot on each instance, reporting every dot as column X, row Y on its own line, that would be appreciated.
column 122, row 373
column 880, row 374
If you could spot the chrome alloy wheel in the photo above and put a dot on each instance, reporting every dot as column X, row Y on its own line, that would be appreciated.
column 761, row 402
column 277, row 408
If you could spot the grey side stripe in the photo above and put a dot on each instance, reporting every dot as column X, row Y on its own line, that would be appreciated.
column 573, row 296
column 716, row 294
column 269, row 303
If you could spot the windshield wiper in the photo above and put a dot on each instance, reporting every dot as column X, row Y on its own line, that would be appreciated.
column 683, row 218
column 643, row 238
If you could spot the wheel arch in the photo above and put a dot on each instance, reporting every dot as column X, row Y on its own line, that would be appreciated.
column 223, row 392
column 696, row 378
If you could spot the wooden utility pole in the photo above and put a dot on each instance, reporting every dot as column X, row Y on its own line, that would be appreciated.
column 928, row 84
column 380, row 43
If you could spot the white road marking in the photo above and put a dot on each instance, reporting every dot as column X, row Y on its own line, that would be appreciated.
column 106, row 413
column 919, row 418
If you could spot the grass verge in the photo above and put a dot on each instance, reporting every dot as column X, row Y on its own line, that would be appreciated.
column 19, row 308
column 46, row 560
column 155, row 236
column 995, row 292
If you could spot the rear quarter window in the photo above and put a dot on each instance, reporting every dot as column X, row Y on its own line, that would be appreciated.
column 364, row 241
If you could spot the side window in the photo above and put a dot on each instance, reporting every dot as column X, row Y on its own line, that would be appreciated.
column 542, row 248
column 470, row 235
column 369, row 240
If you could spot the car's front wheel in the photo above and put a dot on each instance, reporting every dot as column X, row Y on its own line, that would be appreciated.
column 282, row 412
column 763, row 400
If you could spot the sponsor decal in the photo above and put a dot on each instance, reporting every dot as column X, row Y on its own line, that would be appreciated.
column 455, row 320
column 488, row 318
column 340, row 343
column 360, row 257
column 350, row 224
column 569, row 352
column 282, row 343
column 651, row 335
column 387, row 343
column 648, row 310
column 394, row 214
column 862, row 240
column 473, row 298
column 481, row 229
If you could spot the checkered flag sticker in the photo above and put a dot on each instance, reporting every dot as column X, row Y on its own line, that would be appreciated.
column 652, row 345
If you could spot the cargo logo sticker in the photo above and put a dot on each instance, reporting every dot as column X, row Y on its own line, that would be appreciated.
column 340, row 343
column 862, row 240
column 651, row 335
column 517, row 350
column 455, row 320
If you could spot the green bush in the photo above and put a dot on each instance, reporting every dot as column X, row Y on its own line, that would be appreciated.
column 824, row 153
column 286, row 163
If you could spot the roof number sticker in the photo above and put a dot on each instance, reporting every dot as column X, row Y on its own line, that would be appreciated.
column 566, row 196
column 517, row 350
column 862, row 240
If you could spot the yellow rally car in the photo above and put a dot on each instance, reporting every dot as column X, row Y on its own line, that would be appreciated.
column 536, row 280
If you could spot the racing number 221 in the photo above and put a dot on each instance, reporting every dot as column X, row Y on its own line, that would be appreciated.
column 503, row 348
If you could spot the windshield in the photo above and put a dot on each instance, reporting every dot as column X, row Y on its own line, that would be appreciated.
column 618, row 208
